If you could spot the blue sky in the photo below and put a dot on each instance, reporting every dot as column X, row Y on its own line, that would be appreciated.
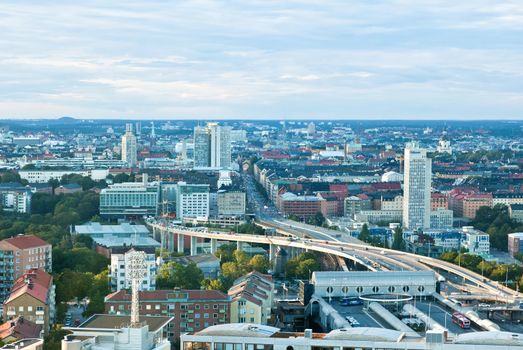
column 431, row 59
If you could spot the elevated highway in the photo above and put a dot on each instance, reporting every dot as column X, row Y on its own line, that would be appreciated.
column 372, row 258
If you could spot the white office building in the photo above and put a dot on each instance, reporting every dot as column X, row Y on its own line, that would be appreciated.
column 119, row 270
column 259, row 337
column 441, row 219
column 15, row 197
column 43, row 176
column 130, row 199
column 212, row 146
column 416, row 191
column 129, row 146
column 192, row 201
column 115, row 332
column 338, row 284
column 475, row 241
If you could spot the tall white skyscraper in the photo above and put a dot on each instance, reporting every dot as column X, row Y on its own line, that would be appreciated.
column 212, row 146
column 129, row 146
column 416, row 188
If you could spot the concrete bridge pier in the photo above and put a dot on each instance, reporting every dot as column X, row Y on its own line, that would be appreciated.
column 239, row 245
column 170, row 241
column 272, row 252
column 194, row 245
column 214, row 245
column 180, row 243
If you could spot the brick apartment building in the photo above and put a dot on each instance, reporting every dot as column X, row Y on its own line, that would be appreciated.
column 18, row 255
column 465, row 203
column 33, row 298
column 438, row 200
column 192, row 310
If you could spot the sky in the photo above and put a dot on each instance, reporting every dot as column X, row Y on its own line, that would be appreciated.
column 262, row 59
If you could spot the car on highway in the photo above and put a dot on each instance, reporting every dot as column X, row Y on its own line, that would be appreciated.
column 351, row 301
column 352, row 321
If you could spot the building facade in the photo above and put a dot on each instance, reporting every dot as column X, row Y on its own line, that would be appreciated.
column 15, row 198
column 417, row 187
column 32, row 297
column 129, row 146
column 192, row 200
column 252, row 298
column 231, row 203
column 212, row 146
column 190, row 310
column 130, row 199
column 441, row 219
column 119, row 269
column 20, row 254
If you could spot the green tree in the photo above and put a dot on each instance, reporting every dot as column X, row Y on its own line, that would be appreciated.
column 398, row 242
column 364, row 233
column 259, row 263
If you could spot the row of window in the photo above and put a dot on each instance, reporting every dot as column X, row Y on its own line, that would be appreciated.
column 376, row 289
column 22, row 308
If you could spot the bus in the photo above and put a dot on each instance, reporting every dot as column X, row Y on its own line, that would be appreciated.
column 460, row 320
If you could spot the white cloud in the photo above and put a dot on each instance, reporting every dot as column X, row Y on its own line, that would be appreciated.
column 261, row 58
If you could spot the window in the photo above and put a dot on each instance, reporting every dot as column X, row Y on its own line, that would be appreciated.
column 197, row 315
column 215, row 315
column 197, row 306
column 171, row 306
column 147, row 307
column 359, row 289
column 205, row 315
column 29, row 308
column 20, row 309
column 215, row 306
column 206, row 306
column 421, row 289
column 375, row 289
column 406, row 289
column 157, row 307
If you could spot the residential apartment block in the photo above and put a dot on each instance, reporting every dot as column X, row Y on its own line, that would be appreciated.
column 191, row 310
column 32, row 297
column 119, row 269
column 252, row 298
column 19, row 254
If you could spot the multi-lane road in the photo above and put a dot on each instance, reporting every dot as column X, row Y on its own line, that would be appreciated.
column 373, row 258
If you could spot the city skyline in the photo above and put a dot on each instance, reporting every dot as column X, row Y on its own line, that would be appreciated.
column 261, row 60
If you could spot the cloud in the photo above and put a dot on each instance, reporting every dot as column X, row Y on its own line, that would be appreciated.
column 263, row 58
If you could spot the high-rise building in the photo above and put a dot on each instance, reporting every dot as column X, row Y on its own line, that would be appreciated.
column 192, row 201
column 129, row 146
column 212, row 146
column 417, row 185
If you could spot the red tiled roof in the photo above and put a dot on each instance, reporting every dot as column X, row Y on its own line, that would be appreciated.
column 35, row 282
column 19, row 328
column 25, row 242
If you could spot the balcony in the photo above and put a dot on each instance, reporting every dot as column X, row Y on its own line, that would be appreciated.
column 11, row 313
column 41, row 312
column 39, row 321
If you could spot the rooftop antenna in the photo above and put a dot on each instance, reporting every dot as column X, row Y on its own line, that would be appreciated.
column 137, row 271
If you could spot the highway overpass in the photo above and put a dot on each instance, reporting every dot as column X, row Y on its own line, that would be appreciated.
column 372, row 258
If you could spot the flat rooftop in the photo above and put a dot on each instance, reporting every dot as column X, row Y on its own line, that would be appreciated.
column 101, row 321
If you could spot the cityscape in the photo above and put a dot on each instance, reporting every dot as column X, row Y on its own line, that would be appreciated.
column 261, row 175
column 240, row 234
